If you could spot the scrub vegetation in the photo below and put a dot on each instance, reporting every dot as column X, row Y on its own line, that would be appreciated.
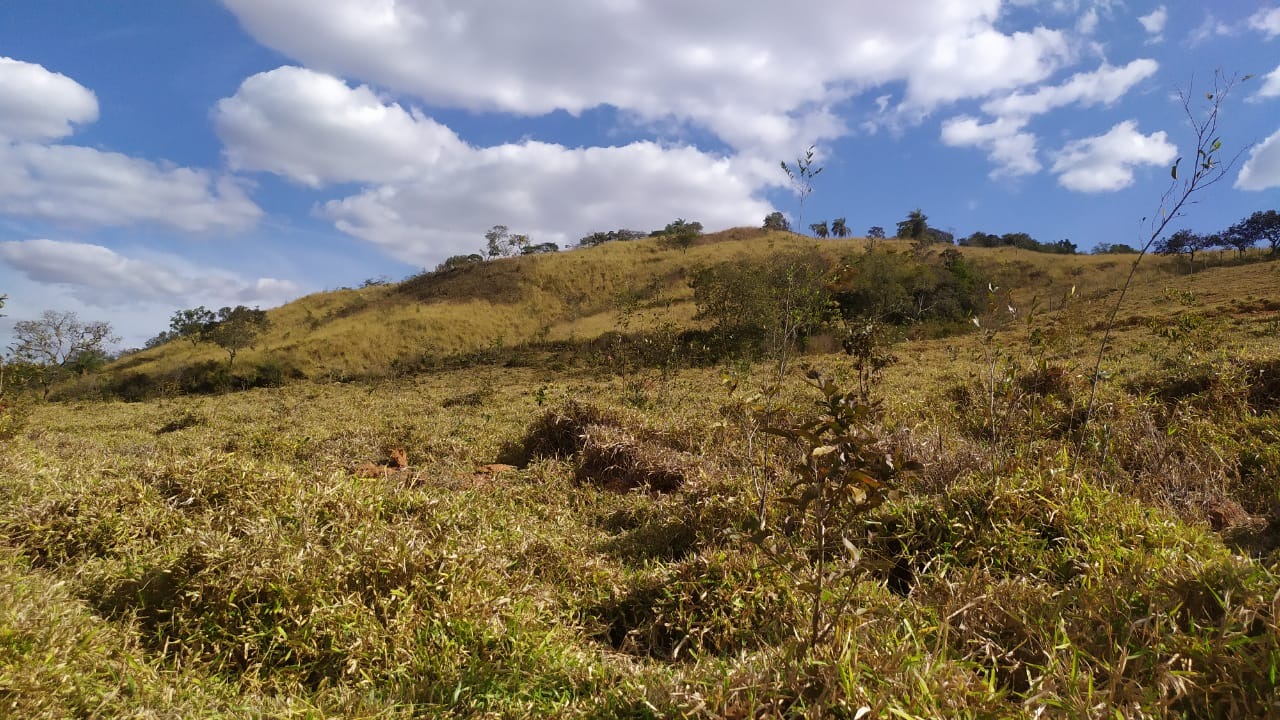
column 750, row 475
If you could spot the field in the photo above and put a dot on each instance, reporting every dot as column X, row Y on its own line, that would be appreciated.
column 544, row 526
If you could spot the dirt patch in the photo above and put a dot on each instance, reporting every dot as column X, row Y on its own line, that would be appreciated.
column 397, row 460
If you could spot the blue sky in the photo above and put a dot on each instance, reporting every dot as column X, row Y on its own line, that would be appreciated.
column 162, row 154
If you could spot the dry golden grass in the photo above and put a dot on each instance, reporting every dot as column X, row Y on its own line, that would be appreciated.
column 494, row 541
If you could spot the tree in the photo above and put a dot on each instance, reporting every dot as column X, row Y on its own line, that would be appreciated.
column 56, row 341
column 776, row 221
column 915, row 227
column 681, row 233
column 801, row 177
column 770, row 306
column 934, row 235
column 820, row 229
column 840, row 228
column 1236, row 237
column 599, row 238
column 1114, row 249
column 236, row 329
column 1185, row 242
column 190, row 324
column 457, row 262
column 1261, row 226
column 875, row 232
column 499, row 242
column 540, row 248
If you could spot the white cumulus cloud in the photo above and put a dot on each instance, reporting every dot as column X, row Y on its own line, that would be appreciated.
column 73, row 184
column 1266, row 21
column 1270, row 86
column 334, row 133
column 1106, row 162
column 1011, row 148
column 101, row 277
column 39, row 105
column 41, row 178
column 1103, row 86
column 430, row 195
column 554, row 193
column 730, row 67
column 1262, row 170
column 1155, row 21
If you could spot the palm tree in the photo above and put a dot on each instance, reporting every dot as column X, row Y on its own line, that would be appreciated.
column 820, row 229
column 915, row 227
column 839, row 228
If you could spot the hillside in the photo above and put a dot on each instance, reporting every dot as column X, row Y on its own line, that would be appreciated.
column 935, row 524
column 579, row 295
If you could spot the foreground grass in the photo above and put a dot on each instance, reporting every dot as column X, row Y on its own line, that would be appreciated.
column 265, row 553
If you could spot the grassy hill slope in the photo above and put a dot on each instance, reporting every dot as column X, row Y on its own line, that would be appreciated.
column 491, row 540
column 581, row 294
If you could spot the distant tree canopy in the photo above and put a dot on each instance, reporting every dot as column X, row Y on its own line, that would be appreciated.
column 776, row 221
column 906, row 288
column 190, row 324
column 915, row 226
column 763, row 305
column 235, row 329
column 1185, row 242
column 820, row 229
column 1260, row 226
column 540, row 248
column 943, row 237
column 500, row 242
column 1019, row 240
column 599, row 238
column 1114, row 249
column 875, row 232
column 59, row 343
column 680, row 233
column 457, row 262
column 840, row 228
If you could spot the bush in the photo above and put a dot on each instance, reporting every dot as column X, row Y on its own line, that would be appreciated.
column 765, row 306
column 904, row 289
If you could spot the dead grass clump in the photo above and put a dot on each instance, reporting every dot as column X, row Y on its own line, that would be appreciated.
column 615, row 460
column 472, row 399
column 604, row 452
column 699, row 608
column 558, row 433
column 1264, row 385
column 181, row 421
column 998, row 625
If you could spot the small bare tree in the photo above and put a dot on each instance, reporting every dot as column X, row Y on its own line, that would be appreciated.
column 1207, row 169
column 801, row 176
column 56, row 341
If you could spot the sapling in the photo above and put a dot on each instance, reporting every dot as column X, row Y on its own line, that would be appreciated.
column 1206, row 169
